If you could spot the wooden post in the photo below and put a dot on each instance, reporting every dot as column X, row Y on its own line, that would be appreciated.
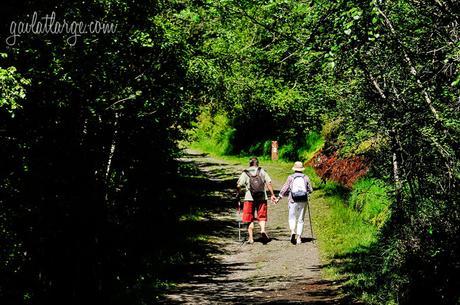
column 274, row 150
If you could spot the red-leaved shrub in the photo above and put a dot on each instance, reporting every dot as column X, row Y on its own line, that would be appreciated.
column 344, row 171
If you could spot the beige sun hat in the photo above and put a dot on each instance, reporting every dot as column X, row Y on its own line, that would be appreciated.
column 298, row 166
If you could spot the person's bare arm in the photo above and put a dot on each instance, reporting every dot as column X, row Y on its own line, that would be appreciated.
column 270, row 188
column 239, row 185
column 238, row 190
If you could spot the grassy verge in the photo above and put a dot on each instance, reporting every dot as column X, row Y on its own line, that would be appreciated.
column 340, row 231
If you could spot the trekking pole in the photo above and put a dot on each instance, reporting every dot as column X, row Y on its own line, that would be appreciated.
column 239, row 216
column 239, row 222
column 309, row 218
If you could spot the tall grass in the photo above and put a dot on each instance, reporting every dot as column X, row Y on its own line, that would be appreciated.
column 370, row 198
column 339, row 229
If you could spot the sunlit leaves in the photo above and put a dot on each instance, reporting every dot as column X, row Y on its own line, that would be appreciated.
column 12, row 88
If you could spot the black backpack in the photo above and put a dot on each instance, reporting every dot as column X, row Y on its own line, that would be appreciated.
column 256, row 185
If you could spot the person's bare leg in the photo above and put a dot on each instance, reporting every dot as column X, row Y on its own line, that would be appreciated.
column 264, row 234
column 262, row 226
column 251, row 233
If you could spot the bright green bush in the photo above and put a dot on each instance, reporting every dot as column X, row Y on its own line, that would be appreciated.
column 332, row 188
column 370, row 198
column 313, row 142
column 213, row 133
column 267, row 149
column 288, row 152
column 331, row 129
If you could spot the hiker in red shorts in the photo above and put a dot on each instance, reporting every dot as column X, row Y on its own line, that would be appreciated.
column 253, row 180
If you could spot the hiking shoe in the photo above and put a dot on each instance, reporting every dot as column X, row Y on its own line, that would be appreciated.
column 265, row 237
column 293, row 241
column 299, row 240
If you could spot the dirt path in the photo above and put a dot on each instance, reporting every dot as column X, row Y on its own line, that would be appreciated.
column 274, row 273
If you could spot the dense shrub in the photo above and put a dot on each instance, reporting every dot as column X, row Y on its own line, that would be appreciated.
column 313, row 142
column 370, row 197
column 342, row 170
column 213, row 133
column 288, row 152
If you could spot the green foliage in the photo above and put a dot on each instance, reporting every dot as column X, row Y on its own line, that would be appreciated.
column 288, row 152
column 101, row 121
column 12, row 88
column 332, row 188
column 382, row 77
column 267, row 148
column 331, row 130
column 313, row 143
column 256, row 149
column 234, row 52
column 370, row 198
column 340, row 230
column 98, row 127
column 213, row 133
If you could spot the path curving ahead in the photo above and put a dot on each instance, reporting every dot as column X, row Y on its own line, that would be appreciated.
column 274, row 273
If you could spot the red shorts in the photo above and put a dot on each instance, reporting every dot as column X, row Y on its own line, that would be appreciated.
column 250, row 208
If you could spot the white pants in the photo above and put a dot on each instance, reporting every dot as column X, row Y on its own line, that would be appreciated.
column 296, row 216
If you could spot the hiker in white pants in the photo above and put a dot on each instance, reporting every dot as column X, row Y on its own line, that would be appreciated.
column 296, row 217
column 298, row 187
